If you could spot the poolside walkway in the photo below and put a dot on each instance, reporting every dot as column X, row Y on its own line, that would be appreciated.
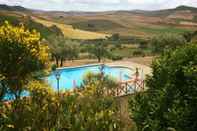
column 143, row 69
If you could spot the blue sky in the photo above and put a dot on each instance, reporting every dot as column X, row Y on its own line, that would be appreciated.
column 99, row 5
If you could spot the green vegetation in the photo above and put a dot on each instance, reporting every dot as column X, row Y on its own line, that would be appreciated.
column 193, row 9
column 161, row 43
column 98, row 50
column 170, row 100
column 195, row 18
column 159, row 29
column 190, row 36
column 12, row 8
column 118, row 47
column 12, row 19
column 63, row 49
column 38, row 112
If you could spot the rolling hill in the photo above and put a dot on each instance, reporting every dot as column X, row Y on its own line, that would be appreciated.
column 95, row 25
column 130, row 23
column 17, row 15
column 17, row 19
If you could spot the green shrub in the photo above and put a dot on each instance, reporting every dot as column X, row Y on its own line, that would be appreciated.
column 86, row 109
column 116, row 57
column 170, row 101
column 162, row 43
column 53, row 67
column 37, row 112
column 138, row 53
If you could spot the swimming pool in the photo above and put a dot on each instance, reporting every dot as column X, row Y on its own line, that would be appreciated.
column 72, row 77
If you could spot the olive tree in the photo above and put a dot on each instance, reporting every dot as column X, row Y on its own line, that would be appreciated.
column 161, row 43
column 99, row 50
column 63, row 49
column 170, row 102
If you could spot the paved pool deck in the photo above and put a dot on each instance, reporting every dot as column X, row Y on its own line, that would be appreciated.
column 143, row 69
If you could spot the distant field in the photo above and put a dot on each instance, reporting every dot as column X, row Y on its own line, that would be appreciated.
column 96, row 25
column 162, row 29
column 72, row 33
column 140, row 26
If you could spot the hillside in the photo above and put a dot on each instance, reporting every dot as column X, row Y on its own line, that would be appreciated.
column 13, row 8
column 130, row 23
column 17, row 19
column 94, row 25
column 16, row 15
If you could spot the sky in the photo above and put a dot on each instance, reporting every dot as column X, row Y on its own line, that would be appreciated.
column 99, row 5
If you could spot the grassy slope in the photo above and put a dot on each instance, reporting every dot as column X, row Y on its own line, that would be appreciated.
column 70, row 32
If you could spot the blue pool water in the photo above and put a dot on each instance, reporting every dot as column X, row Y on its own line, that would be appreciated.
column 71, row 77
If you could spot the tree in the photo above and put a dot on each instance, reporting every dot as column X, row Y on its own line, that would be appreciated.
column 63, row 49
column 143, row 44
column 162, row 43
column 56, row 30
column 21, row 54
column 105, row 84
column 170, row 101
column 188, row 36
column 55, row 43
column 98, row 50
column 115, row 37
column 73, row 50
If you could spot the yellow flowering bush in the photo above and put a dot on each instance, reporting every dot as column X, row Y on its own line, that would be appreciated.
column 21, row 54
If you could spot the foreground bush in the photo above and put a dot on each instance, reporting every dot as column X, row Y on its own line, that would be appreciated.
column 170, row 102
column 36, row 112
column 21, row 54
column 83, row 109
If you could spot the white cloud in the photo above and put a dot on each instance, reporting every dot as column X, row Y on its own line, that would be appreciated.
column 98, row 5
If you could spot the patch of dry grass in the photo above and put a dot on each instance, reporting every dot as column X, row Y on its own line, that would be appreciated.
column 69, row 32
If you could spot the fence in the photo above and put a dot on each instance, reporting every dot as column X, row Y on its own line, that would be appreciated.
column 135, row 84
